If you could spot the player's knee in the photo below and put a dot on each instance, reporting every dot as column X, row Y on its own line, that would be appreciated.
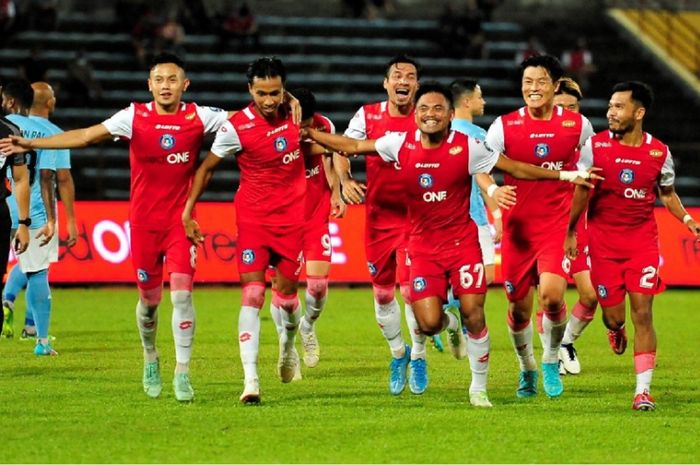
column 429, row 325
column 517, row 321
column 406, row 293
column 317, row 287
column 253, row 295
column 383, row 294
column 285, row 302
column 180, row 282
column 611, row 322
column 552, row 303
column 151, row 297
column 181, row 299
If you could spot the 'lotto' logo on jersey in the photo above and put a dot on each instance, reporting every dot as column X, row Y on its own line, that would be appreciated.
column 602, row 291
column 248, row 256
column 425, row 181
column 167, row 141
column 280, row 144
column 419, row 284
column 141, row 275
column 626, row 176
column 541, row 150
column 435, row 196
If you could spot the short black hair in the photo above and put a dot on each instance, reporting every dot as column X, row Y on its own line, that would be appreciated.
column 548, row 62
column 570, row 87
column 307, row 100
column 459, row 87
column 166, row 57
column 436, row 87
column 266, row 67
column 641, row 92
column 403, row 58
column 20, row 90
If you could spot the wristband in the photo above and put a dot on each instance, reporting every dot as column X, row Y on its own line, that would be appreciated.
column 687, row 219
column 571, row 175
column 491, row 189
column 497, row 215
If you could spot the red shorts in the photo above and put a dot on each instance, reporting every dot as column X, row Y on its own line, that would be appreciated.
column 278, row 246
column 522, row 266
column 149, row 248
column 582, row 262
column 317, row 241
column 462, row 268
column 612, row 278
column 386, row 255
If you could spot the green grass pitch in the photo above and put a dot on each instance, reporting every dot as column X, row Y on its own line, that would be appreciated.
column 87, row 404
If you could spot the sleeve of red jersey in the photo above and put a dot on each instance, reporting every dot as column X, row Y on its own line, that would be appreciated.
column 585, row 159
column 121, row 123
column 481, row 158
column 586, row 130
column 356, row 127
column 226, row 142
column 388, row 146
column 668, row 174
column 212, row 118
column 495, row 139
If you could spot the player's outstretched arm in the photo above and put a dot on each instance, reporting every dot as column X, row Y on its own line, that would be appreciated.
column 345, row 145
column 668, row 196
column 66, row 190
column 48, row 196
column 200, row 182
column 522, row 170
column 20, row 174
column 352, row 191
column 578, row 206
column 66, row 140
column 503, row 196
column 337, row 204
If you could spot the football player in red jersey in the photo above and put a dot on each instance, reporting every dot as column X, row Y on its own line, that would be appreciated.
column 443, row 241
column 165, row 137
column 623, row 236
column 266, row 143
column 545, row 135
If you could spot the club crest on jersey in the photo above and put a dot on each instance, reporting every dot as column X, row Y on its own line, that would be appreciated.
column 280, row 144
column 602, row 291
column 167, row 141
column 509, row 287
column 655, row 153
column 567, row 123
column 626, row 176
column 425, row 180
column 248, row 256
column 541, row 150
column 372, row 269
column 419, row 284
column 455, row 150
column 141, row 275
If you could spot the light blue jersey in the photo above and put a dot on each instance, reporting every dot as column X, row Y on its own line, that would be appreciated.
column 34, row 127
column 477, row 209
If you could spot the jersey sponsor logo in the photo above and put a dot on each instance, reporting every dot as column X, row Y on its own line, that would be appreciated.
column 248, row 256
column 598, row 145
column 141, row 275
column 190, row 116
column 313, row 171
column 427, row 165
column 541, row 150
column 566, row 265
column 372, row 268
column 568, row 123
column 626, row 176
column 291, row 156
column 167, row 141
column 177, row 157
column 410, row 146
column 541, row 135
column 515, row 122
column 435, row 196
column 486, row 146
column 638, row 194
column 245, row 126
column 602, row 291
column 455, row 150
column 280, row 144
column 509, row 287
column 655, row 153
column 419, row 284
column 374, row 116
column 425, row 181
column 276, row 130
column 553, row 165
column 168, row 127
column 214, row 108
column 628, row 161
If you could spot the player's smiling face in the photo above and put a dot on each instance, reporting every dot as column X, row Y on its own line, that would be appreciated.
column 537, row 87
column 401, row 84
column 623, row 112
column 433, row 113
column 167, row 82
column 268, row 94
column 567, row 101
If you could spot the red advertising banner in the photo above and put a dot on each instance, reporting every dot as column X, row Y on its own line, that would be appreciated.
column 102, row 252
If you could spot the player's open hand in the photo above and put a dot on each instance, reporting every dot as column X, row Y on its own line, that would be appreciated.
column 338, row 207
column 352, row 192
column 583, row 178
column 193, row 232
column 505, row 196
column 72, row 234
column 694, row 228
column 47, row 231
column 21, row 240
column 571, row 245
column 13, row 145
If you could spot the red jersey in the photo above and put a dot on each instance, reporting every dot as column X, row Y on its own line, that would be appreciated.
column 318, row 192
column 621, row 209
column 273, row 184
column 163, row 153
column 438, row 184
column 542, row 205
column 385, row 200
